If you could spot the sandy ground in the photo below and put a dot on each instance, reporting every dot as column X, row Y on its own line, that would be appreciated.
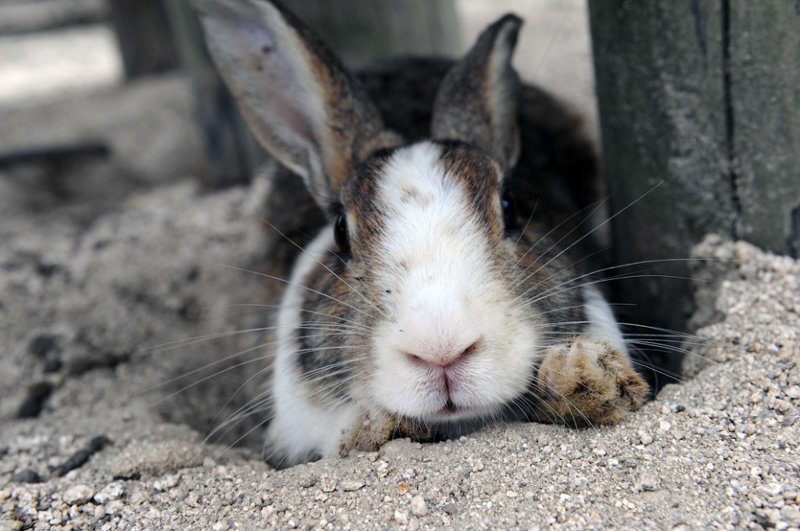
column 103, row 448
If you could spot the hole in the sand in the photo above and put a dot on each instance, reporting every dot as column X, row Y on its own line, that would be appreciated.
column 216, row 395
column 225, row 400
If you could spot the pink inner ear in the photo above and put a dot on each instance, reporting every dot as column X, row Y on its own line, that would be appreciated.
column 260, row 39
column 286, row 101
column 274, row 78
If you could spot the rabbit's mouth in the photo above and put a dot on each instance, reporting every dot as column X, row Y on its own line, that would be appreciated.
column 449, row 408
column 451, row 411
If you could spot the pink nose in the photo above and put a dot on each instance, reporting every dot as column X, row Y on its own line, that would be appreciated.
column 443, row 358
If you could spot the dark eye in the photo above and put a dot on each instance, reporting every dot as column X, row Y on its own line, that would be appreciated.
column 340, row 233
column 509, row 211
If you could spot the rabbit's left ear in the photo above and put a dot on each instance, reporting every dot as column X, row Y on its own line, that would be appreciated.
column 298, row 99
column 477, row 100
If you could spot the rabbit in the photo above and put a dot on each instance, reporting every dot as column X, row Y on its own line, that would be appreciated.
column 438, row 295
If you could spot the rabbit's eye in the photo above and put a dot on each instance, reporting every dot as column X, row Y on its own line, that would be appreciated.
column 509, row 211
column 341, row 235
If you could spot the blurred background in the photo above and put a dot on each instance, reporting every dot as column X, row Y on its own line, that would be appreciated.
column 100, row 98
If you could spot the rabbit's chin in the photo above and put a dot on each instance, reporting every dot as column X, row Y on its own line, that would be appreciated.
column 451, row 413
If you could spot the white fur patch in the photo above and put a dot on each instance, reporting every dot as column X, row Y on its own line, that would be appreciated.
column 602, row 324
column 300, row 427
column 442, row 296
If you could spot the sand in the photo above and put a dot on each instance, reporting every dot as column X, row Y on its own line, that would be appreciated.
column 102, row 448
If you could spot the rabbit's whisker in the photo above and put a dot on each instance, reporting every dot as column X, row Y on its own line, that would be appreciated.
column 593, row 230
column 307, row 288
column 311, row 312
column 565, row 221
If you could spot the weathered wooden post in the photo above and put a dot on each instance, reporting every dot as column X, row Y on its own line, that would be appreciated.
column 143, row 36
column 703, row 97
column 361, row 32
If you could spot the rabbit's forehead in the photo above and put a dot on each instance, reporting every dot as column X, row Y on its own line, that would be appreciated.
column 434, row 181
column 428, row 201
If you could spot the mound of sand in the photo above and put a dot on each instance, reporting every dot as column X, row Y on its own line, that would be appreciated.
column 89, row 438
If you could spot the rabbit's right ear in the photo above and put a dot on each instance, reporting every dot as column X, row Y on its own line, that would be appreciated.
column 302, row 105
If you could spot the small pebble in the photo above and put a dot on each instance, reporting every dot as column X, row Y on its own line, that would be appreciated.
column 350, row 485
column 772, row 489
column 403, row 488
column 648, row 482
column 328, row 484
column 308, row 481
column 78, row 495
column 111, row 492
column 791, row 515
column 782, row 405
column 418, row 506
column 165, row 483
column 26, row 476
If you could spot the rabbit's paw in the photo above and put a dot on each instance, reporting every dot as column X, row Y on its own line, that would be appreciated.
column 370, row 431
column 586, row 382
column 375, row 427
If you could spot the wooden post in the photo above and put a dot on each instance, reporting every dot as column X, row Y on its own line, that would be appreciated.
column 231, row 152
column 702, row 98
column 361, row 32
column 764, row 46
column 143, row 35
column 358, row 32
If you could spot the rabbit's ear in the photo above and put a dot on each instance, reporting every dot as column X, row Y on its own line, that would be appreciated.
column 477, row 100
column 300, row 102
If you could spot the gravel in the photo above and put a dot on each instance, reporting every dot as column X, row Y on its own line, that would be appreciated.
column 719, row 450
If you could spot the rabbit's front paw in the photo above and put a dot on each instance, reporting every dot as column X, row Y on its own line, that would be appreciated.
column 587, row 382
column 375, row 427
column 370, row 431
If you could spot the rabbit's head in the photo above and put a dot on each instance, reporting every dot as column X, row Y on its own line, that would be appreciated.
column 426, row 278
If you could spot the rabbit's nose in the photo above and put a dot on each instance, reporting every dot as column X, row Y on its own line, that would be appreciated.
column 443, row 357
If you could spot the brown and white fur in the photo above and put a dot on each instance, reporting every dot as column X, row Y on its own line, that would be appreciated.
column 426, row 306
